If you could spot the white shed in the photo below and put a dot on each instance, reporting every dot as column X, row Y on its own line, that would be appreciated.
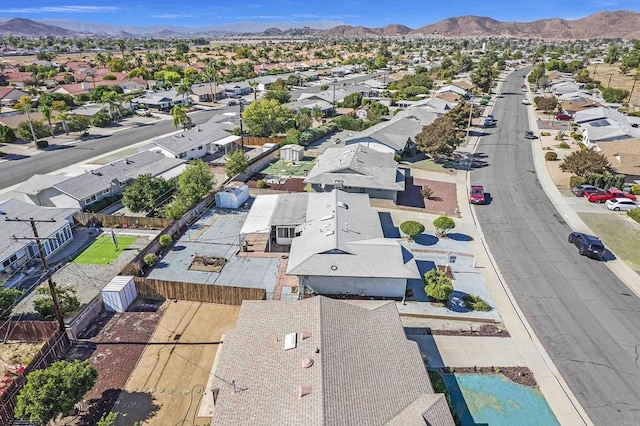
column 292, row 153
column 232, row 196
column 119, row 293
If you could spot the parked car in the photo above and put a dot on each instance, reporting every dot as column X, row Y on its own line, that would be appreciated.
column 476, row 195
column 526, row 101
column 621, row 204
column 563, row 117
column 488, row 122
column 232, row 103
column 581, row 190
column 588, row 245
column 143, row 112
column 610, row 193
column 528, row 134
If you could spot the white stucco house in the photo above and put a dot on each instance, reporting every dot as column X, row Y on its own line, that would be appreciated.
column 207, row 138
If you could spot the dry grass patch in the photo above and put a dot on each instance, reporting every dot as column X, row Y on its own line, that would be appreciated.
column 619, row 233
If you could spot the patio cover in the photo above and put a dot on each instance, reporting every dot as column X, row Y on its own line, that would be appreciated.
column 226, row 140
column 259, row 218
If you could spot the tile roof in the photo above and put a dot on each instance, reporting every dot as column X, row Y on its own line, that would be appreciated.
column 358, row 167
column 342, row 237
column 363, row 369
column 13, row 208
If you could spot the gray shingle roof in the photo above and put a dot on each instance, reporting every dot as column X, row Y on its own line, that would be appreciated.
column 13, row 208
column 201, row 135
column 358, row 167
column 343, row 237
column 291, row 209
column 87, row 184
column 37, row 183
column 364, row 370
column 394, row 134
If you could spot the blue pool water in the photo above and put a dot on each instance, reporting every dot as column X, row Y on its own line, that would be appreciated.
column 492, row 399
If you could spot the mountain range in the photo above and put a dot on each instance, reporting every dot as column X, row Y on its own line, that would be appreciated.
column 617, row 24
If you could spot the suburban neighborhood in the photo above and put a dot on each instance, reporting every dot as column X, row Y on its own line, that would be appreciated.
column 320, row 226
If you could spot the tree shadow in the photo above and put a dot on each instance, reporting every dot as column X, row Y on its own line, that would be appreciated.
column 458, row 403
column 456, row 302
column 132, row 407
column 425, row 239
column 14, row 157
column 459, row 237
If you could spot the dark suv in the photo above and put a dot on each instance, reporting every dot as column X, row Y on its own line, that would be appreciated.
column 588, row 245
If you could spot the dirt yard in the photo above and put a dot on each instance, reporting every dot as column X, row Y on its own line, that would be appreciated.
column 618, row 80
column 171, row 376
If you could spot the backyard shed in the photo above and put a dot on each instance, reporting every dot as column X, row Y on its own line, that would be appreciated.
column 119, row 293
column 292, row 153
column 232, row 196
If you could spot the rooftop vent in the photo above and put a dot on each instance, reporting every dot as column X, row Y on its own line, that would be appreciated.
column 327, row 217
column 290, row 341
column 305, row 335
column 303, row 391
column 343, row 205
column 307, row 362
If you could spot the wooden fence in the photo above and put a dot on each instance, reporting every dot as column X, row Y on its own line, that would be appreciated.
column 27, row 331
column 53, row 349
column 110, row 221
column 209, row 293
column 257, row 141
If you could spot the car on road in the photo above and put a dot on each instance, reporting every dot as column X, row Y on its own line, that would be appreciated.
column 582, row 190
column 526, row 101
column 610, row 193
column 588, row 245
column 143, row 112
column 563, row 117
column 477, row 195
column 243, row 101
column 489, row 122
column 621, row 204
column 528, row 134
column 232, row 103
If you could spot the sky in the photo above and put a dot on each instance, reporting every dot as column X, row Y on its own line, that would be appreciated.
column 371, row 13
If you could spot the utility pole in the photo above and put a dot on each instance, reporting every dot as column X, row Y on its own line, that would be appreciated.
column 45, row 266
column 241, row 130
column 610, row 75
column 470, row 118
column 333, row 102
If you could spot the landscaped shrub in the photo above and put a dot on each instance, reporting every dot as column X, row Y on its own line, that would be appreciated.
column 100, row 205
column 412, row 228
column 42, row 144
column 475, row 303
column 426, row 191
column 635, row 189
column 545, row 133
column 438, row 285
column 150, row 259
column 313, row 134
column 131, row 269
column 7, row 135
column 576, row 180
column 619, row 181
column 563, row 145
column 165, row 240
column 634, row 214
column 551, row 156
column 260, row 184
column 443, row 225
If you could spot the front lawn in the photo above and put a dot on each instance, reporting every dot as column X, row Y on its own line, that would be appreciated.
column 620, row 234
column 103, row 252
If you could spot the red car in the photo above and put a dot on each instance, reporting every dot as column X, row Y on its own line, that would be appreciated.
column 563, row 117
column 476, row 195
column 602, row 196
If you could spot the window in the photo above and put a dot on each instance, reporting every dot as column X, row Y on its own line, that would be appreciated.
column 182, row 155
column 9, row 261
column 286, row 232
column 106, row 191
column 200, row 147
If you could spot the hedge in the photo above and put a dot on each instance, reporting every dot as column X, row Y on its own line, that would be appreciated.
column 634, row 214
column 313, row 134
column 577, row 180
column 606, row 180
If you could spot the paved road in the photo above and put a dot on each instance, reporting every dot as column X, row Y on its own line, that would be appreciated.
column 586, row 318
column 14, row 172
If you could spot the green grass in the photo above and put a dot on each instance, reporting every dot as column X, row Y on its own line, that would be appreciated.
column 618, row 233
column 286, row 168
column 102, row 251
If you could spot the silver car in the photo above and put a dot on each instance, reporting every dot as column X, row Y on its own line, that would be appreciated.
column 621, row 204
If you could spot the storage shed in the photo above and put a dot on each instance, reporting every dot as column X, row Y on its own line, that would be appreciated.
column 292, row 153
column 232, row 196
column 119, row 293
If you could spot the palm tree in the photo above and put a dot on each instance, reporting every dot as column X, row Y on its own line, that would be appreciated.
column 184, row 88
column 254, row 84
column 129, row 99
column 45, row 110
column 122, row 46
column 25, row 106
column 114, row 102
column 64, row 117
column 180, row 117
column 210, row 73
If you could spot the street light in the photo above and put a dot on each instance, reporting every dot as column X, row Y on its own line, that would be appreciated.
column 241, row 130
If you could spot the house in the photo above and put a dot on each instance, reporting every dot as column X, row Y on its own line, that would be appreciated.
column 73, row 89
column 106, row 181
column 453, row 89
column 341, row 250
column 54, row 227
column 162, row 100
column 564, row 87
column 10, row 96
column 89, row 110
column 624, row 157
column 207, row 138
column 357, row 168
column 309, row 104
column 204, row 92
column 232, row 90
column 322, row 361
column 604, row 124
column 397, row 136
column 39, row 189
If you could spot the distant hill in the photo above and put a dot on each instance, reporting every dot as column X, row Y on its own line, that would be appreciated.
column 620, row 24
column 27, row 27
column 349, row 30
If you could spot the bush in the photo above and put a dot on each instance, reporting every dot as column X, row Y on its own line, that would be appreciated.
column 150, row 259
column 412, row 228
column 131, row 269
column 563, row 145
column 634, row 214
column 42, row 144
column 100, row 205
column 7, row 135
column 576, row 180
column 165, row 240
column 545, row 133
column 426, row 192
column 551, row 156
column 261, row 184
column 475, row 303
column 438, row 285
column 635, row 189
column 443, row 225
column 101, row 119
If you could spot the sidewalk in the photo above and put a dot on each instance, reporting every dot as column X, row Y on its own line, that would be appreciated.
column 561, row 399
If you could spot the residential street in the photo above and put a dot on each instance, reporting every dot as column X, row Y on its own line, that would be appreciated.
column 17, row 171
column 587, row 319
